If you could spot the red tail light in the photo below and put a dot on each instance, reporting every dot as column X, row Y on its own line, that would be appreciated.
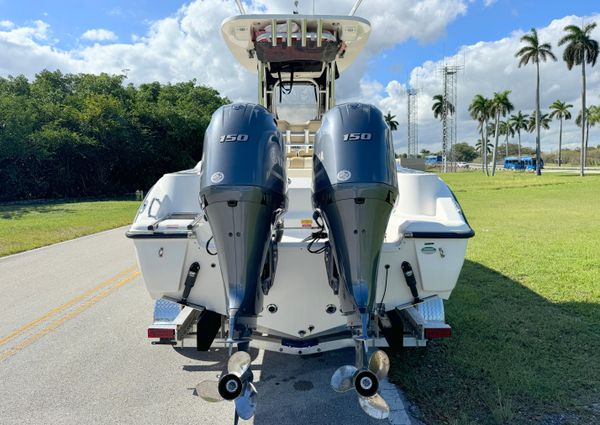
column 432, row 333
column 161, row 333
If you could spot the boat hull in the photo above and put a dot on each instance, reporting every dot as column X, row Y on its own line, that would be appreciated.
column 426, row 230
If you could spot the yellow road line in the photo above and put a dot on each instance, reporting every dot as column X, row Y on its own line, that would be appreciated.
column 62, row 307
column 81, row 308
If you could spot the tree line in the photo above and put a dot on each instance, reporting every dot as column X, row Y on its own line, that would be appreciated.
column 580, row 49
column 83, row 135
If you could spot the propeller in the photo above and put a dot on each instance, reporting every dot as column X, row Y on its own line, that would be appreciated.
column 235, row 385
column 366, row 384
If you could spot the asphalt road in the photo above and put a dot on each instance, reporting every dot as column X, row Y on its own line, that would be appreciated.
column 73, row 350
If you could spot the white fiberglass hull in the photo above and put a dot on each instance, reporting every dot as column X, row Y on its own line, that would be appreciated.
column 427, row 230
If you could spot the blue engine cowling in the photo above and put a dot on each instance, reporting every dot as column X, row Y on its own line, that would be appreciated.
column 242, row 188
column 355, row 187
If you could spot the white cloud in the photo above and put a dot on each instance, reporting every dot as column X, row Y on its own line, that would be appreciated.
column 488, row 3
column 99, row 34
column 6, row 24
column 189, row 44
column 491, row 67
column 115, row 11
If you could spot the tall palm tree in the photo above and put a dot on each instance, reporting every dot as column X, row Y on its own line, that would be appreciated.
column 544, row 123
column 534, row 52
column 520, row 122
column 391, row 121
column 507, row 129
column 581, row 48
column 480, row 111
column 560, row 111
column 500, row 106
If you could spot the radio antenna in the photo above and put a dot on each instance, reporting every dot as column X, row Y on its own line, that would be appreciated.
column 355, row 7
column 240, row 6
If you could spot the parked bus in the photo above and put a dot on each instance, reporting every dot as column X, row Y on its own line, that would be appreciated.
column 521, row 163
column 513, row 163
column 433, row 160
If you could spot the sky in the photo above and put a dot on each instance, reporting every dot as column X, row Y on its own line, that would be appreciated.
column 173, row 40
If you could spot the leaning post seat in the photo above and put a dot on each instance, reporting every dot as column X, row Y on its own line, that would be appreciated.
column 281, row 51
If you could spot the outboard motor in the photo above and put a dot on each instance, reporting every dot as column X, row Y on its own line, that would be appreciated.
column 242, row 188
column 355, row 187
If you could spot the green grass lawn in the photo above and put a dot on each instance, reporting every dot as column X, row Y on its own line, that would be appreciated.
column 28, row 226
column 525, row 312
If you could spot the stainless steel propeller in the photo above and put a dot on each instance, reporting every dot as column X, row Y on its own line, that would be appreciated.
column 239, row 363
column 235, row 385
column 245, row 405
column 379, row 364
column 376, row 407
column 366, row 384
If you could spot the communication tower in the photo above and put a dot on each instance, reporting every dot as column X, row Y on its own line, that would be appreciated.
column 450, row 108
column 413, row 123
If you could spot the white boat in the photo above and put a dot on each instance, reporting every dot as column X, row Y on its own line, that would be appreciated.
column 297, row 232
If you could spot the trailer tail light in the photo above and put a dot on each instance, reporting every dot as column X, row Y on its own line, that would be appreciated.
column 433, row 333
column 161, row 333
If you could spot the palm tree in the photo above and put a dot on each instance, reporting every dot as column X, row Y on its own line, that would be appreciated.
column 544, row 123
column 534, row 51
column 560, row 111
column 533, row 126
column 519, row 122
column 438, row 106
column 390, row 121
column 480, row 111
column 593, row 117
column 478, row 148
column 580, row 49
column 507, row 128
column 441, row 108
column 501, row 105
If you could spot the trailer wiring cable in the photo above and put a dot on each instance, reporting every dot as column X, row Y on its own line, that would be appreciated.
column 387, row 271
column 316, row 236
column 208, row 249
column 285, row 90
